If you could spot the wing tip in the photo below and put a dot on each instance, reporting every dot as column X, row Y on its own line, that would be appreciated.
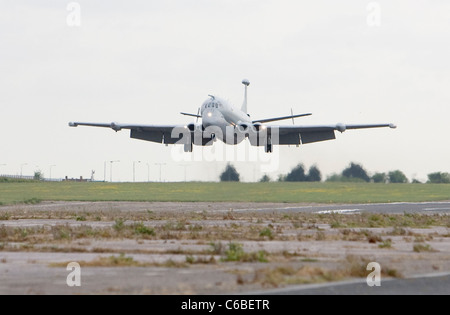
column 73, row 124
column 393, row 126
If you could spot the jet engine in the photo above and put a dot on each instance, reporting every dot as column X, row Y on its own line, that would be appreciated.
column 243, row 127
column 248, row 128
column 256, row 133
column 258, row 126
column 199, row 136
column 196, row 127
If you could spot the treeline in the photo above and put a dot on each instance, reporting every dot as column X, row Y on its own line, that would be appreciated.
column 356, row 173
column 353, row 173
column 299, row 174
column 4, row 179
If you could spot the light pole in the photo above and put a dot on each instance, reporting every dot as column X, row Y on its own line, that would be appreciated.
column 2, row 164
column 160, row 169
column 110, row 169
column 134, row 170
column 21, row 168
column 51, row 171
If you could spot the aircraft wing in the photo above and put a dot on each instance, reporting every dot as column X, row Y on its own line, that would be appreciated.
column 192, row 115
column 279, row 135
column 308, row 134
column 167, row 134
column 280, row 118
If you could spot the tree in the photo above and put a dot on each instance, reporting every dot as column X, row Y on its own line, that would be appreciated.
column 314, row 174
column 397, row 177
column 356, row 171
column 230, row 174
column 439, row 178
column 335, row 178
column 264, row 179
column 281, row 178
column 38, row 175
column 297, row 174
column 379, row 178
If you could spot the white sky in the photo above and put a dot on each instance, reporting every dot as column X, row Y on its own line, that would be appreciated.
column 145, row 61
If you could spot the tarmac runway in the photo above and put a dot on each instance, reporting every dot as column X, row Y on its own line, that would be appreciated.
column 439, row 207
column 431, row 284
column 386, row 208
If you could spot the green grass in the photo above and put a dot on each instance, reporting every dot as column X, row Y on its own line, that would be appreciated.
column 235, row 252
column 35, row 192
column 418, row 248
column 111, row 261
column 266, row 232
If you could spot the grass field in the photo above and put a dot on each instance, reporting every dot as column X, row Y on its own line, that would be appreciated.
column 34, row 192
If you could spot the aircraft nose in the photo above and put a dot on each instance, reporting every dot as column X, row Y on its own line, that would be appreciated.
column 212, row 117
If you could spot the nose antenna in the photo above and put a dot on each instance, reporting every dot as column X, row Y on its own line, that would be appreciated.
column 244, row 105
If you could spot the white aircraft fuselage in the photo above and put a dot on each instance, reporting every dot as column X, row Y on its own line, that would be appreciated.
column 218, row 112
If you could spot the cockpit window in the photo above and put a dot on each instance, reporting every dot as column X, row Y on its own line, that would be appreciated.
column 212, row 104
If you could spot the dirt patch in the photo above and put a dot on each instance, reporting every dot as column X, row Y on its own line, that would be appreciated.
column 206, row 248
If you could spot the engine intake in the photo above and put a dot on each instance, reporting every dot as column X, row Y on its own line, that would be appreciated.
column 195, row 127
column 243, row 127
column 246, row 127
column 257, row 126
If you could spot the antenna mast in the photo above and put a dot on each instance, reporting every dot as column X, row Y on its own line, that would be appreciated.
column 244, row 105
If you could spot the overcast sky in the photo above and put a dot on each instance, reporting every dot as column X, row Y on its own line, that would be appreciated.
column 145, row 61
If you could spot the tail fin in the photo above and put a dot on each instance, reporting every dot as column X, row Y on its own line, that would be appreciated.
column 244, row 105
